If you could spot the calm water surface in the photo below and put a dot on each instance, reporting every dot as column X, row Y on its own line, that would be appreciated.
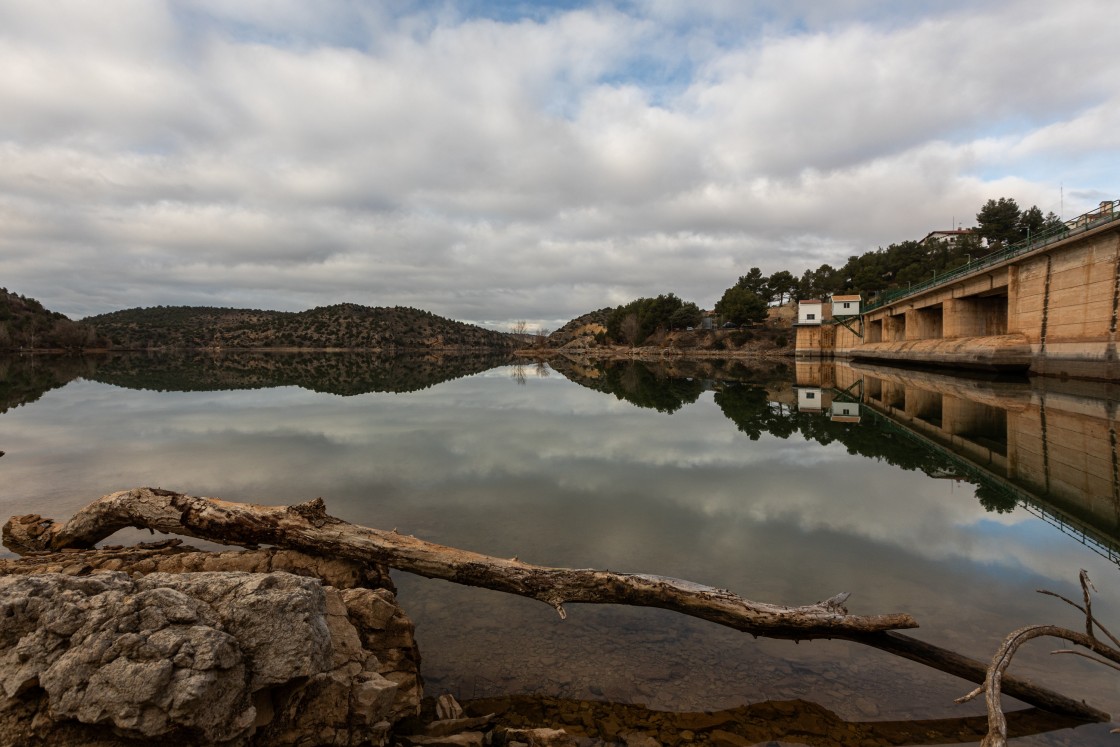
column 729, row 477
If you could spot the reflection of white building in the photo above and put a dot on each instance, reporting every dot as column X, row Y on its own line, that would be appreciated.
column 810, row 311
column 844, row 412
column 810, row 399
column 845, row 305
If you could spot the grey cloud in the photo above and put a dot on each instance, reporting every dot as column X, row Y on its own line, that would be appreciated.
column 532, row 168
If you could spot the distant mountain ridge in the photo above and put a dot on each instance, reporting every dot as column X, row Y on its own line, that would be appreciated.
column 341, row 326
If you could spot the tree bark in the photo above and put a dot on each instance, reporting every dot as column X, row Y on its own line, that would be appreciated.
column 308, row 528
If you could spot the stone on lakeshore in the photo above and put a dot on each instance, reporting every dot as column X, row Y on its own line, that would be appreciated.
column 200, row 658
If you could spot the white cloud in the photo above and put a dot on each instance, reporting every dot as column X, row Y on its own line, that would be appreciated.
column 291, row 154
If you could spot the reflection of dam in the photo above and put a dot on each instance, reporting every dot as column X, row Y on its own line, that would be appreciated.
column 1049, row 446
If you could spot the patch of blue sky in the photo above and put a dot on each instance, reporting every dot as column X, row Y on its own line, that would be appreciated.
column 1031, row 531
column 343, row 26
column 512, row 11
column 1075, row 184
column 662, row 79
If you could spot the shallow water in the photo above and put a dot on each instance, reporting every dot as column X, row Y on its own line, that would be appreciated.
column 639, row 470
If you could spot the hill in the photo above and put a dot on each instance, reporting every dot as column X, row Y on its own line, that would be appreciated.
column 583, row 331
column 25, row 324
column 588, row 334
column 347, row 326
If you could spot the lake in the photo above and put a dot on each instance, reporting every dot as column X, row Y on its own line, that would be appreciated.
column 951, row 499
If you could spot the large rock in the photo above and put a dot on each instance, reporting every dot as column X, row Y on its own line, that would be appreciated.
column 200, row 658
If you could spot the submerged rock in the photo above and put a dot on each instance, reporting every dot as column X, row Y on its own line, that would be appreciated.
column 201, row 658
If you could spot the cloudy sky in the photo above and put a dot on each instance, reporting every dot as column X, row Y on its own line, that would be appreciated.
column 495, row 160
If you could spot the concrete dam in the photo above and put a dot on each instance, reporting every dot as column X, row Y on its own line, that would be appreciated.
column 1048, row 306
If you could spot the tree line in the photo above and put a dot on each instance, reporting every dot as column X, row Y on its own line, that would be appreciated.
column 999, row 223
column 26, row 324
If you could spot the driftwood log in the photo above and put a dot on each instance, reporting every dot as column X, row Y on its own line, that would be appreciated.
column 308, row 528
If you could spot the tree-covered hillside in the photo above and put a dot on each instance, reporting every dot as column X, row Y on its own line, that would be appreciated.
column 339, row 326
column 998, row 223
column 25, row 324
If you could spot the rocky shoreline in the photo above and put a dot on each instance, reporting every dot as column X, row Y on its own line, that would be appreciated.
column 165, row 643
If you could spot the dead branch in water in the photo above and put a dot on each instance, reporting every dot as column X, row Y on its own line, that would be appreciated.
column 995, row 678
column 308, row 528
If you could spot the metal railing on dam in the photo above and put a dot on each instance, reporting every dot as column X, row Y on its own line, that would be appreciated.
column 1107, row 212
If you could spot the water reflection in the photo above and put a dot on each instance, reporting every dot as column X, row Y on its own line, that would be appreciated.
column 342, row 373
column 25, row 378
column 792, row 722
column 1047, row 445
column 739, row 487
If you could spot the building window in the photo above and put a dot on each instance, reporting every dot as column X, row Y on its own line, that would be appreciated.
column 810, row 395
column 847, row 305
column 810, row 316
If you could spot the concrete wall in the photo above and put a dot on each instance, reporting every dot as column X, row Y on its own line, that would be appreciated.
column 1065, row 302
column 826, row 340
column 977, row 316
column 814, row 340
column 925, row 323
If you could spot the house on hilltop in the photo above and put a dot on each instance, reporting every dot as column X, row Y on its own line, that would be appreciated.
column 945, row 237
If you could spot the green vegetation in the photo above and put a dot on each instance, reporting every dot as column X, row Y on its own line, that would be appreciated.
column 741, row 306
column 26, row 325
column 643, row 318
column 999, row 222
column 343, row 326
column 749, row 299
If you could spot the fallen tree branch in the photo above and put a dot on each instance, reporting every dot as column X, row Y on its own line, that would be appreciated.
column 973, row 670
column 993, row 684
column 308, row 528
column 995, row 678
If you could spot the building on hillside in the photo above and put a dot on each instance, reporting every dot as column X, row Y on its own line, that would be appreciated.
column 846, row 305
column 810, row 311
column 946, row 237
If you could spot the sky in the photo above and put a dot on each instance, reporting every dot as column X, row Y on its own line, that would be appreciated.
column 501, row 161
